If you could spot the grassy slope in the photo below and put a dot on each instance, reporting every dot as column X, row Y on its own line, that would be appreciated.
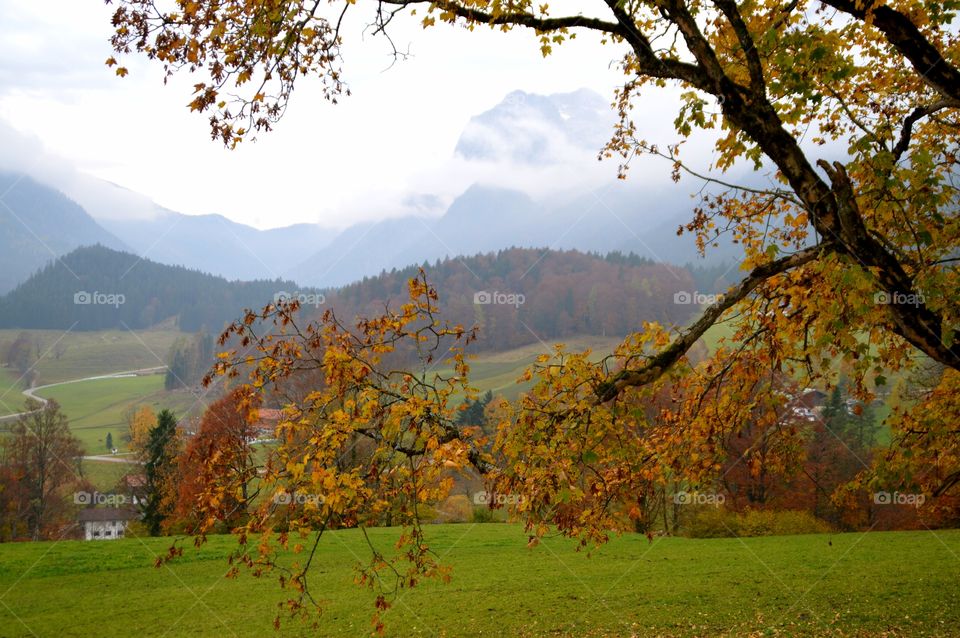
column 10, row 387
column 96, row 407
column 87, row 354
column 499, row 371
column 901, row 582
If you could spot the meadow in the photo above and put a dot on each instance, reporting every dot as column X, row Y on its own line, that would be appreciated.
column 499, row 372
column 889, row 583
column 10, row 387
column 85, row 354
column 95, row 408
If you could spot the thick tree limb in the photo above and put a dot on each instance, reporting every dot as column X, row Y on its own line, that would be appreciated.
column 650, row 63
column 915, row 322
column 660, row 363
column 909, row 41
column 832, row 207
column 755, row 67
column 518, row 19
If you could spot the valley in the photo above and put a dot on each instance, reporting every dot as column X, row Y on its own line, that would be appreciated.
column 340, row 361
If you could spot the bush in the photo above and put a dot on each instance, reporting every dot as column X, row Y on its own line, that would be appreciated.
column 716, row 522
column 710, row 522
column 455, row 509
column 483, row 514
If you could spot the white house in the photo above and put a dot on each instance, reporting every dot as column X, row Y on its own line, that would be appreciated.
column 104, row 523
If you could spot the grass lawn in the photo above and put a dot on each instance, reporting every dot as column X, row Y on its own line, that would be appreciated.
column 105, row 475
column 891, row 583
column 10, row 387
column 84, row 354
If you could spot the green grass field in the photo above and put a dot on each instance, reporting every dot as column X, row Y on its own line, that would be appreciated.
column 499, row 371
column 105, row 476
column 891, row 583
column 75, row 355
column 10, row 387
column 95, row 408
column 86, row 354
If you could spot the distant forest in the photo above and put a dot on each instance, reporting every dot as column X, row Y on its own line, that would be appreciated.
column 516, row 296
column 564, row 293
column 96, row 288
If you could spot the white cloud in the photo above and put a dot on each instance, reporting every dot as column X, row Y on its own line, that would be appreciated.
column 335, row 165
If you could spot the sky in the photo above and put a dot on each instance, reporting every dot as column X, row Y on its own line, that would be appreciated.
column 367, row 158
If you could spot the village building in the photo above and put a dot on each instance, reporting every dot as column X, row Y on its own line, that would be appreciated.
column 265, row 427
column 104, row 523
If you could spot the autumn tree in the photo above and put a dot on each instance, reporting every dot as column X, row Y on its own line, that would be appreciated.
column 221, row 452
column 140, row 421
column 40, row 458
column 19, row 353
column 924, row 457
column 865, row 242
column 849, row 248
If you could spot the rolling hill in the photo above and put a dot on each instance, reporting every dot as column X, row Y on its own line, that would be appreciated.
column 521, row 296
column 97, row 288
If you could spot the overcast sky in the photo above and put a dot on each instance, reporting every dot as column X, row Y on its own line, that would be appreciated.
column 329, row 164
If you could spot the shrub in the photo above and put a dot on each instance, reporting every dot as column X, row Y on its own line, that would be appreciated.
column 710, row 522
column 483, row 514
column 716, row 522
column 455, row 509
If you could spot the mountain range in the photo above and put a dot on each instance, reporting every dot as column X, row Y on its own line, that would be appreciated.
column 39, row 223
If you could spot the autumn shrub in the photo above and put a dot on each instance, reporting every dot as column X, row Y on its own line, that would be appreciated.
column 709, row 522
column 717, row 522
column 455, row 509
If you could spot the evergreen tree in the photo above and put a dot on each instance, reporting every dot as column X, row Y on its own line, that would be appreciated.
column 473, row 414
column 836, row 418
column 157, row 468
column 109, row 441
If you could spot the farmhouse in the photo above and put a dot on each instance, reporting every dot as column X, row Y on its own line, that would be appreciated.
column 266, row 424
column 134, row 485
column 104, row 523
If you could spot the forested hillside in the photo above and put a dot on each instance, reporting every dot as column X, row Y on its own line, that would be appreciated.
column 96, row 288
column 518, row 296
